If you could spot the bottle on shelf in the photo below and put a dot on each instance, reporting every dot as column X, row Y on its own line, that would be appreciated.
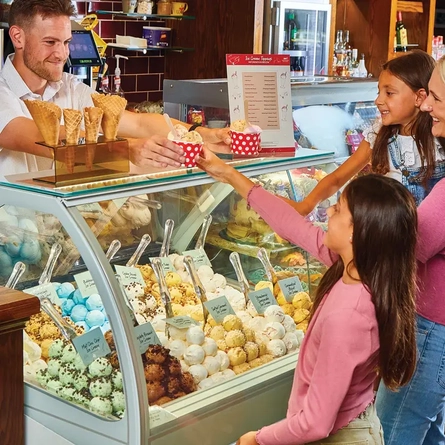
column 117, row 77
column 340, row 55
column 104, row 85
column 353, row 66
column 347, row 46
column 297, row 67
column 438, row 47
column 292, row 32
column 362, row 71
column 401, row 38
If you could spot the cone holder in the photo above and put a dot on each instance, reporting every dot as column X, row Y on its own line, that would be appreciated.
column 88, row 162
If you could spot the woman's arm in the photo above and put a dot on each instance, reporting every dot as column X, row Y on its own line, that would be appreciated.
column 331, row 183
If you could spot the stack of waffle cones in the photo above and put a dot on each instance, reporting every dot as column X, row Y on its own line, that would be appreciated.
column 93, row 118
column 112, row 106
column 46, row 116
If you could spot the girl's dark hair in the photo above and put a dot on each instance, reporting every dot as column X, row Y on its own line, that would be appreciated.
column 23, row 12
column 383, row 242
column 414, row 69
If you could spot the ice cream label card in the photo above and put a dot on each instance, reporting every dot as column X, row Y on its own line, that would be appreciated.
column 85, row 283
column 262, row 299
column 260, row 93
column 44, row 291
column 199, row 257
column 218, row 308
column 167, row 265
column 146, row 336
column 181, row 321
column 91, row 346
column 129, row 275
column 159, row 415
column 289, row 287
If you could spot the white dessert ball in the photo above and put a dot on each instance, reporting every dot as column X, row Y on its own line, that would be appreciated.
column 163, row 339
column 177, row 348
column 228, row 373
column 251, row 309
column 150, row 302
column 212, row 364
column 277, row 348
column 195, row 335
column 178, row 263
column 198, row 372
column 257, row 324
column 244, row 316
column 209, row 285
column 223, row 360
column 184, row 366
column 274, row 330
column 205, row 272
column 291, row 342
column 194, row 355
column 206, row 383
column 140, row 319
column 210, row 347
column 219, row 280
column 274, row 313
column 158, row 323
column 177, row 334
column 137, row 305
column 289, row 324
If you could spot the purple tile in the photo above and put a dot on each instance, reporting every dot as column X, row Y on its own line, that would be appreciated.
column 134, row 28
column 81, row 8
column 136, row 97
column 128, row 83
column 109, row 28
column 156, row 65
column 155, row 95
column 136, row 65
column 95, row 6
column 148, row 82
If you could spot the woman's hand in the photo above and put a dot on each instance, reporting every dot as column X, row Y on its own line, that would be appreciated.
column 214, row 166
column 248, row 439
column 216, row 139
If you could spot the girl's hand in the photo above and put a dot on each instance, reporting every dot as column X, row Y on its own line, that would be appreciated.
column 214, row 166
column 248, row 439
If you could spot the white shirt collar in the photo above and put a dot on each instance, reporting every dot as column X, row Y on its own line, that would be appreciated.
column 19, row 87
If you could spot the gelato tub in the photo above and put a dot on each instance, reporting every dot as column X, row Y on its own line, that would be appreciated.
column 157, row 36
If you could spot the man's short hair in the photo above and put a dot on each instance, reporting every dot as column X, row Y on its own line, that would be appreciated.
column 23, row 12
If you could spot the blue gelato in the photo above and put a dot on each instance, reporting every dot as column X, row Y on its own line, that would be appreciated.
column 78, row 313
column 65, row 290
column 94, row 302
column 67, row 306
column 95, row 318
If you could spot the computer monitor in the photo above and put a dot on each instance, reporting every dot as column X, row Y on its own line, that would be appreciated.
column 83, row 49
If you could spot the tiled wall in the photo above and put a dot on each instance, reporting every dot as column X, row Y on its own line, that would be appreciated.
column 142, row 75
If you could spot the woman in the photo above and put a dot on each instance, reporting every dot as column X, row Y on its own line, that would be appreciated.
column 415, row 414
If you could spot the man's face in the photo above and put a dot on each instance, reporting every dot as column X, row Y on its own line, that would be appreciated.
column 46, row 46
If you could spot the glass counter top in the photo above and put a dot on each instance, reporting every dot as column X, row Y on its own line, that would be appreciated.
column 154, row 176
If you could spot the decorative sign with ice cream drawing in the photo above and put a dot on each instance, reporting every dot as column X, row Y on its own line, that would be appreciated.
column 260, row 96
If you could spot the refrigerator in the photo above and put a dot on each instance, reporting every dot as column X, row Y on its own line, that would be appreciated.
column 300, row 29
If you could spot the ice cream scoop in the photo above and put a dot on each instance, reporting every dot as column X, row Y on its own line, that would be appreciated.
column 168, row 231
column 242, row 280
column 197, row 284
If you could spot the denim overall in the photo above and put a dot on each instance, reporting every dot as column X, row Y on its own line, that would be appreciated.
column 410, row 174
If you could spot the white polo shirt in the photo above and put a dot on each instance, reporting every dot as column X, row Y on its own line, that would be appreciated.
column 67, row 93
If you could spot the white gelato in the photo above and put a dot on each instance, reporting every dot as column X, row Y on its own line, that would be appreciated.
column 274, row 330
column 194, row 355
column 212, row 364
column 274, row 313
column 199, row 373
column 277, row 348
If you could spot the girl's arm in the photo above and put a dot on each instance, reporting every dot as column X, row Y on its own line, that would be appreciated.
column 280, row 216
column 333, row 182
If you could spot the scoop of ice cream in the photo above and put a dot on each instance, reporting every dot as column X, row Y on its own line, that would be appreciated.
column 56, row 349
column 67, row 372
column 232, row 322
column 212, row 364
column 237, row 356
column 210, row 347
column 274, row 330
column 100, row 387
column 181, row 131
column 192, row 136
column 194, row 355
column 116, row 379
column 289, row 324
column 277, row 348
column 100, row 367
column 235, row 338
column 68, row 354
column 274, row 313
column 54, row 367
column 252, row 350
column 291, row 341
column 177, row 348
column 199, row 373
column 101, row 406
column 239, row 125
column 217, row 333
column 94, row 302
column 195, row 335
column 118, row 401
column 176, row 333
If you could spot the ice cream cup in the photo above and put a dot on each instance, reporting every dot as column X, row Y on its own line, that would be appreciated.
column 245, row 144
column 191, row 151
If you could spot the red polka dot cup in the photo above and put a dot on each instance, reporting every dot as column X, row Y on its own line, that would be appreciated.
column 191, row 151
column 245, row 144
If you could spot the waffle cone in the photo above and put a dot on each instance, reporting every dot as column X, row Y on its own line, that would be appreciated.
column 69, row 158
column 90, row 151
column 93, row 118
column 46, row 116
column 73, row 119
column 113, row 106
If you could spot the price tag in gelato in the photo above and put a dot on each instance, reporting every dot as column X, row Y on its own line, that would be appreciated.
column 129, row 275
column 44, row 291
column 199, row 257
column 91, row 346
column 181, row 321
column 289, row 287
column 262, row 299
column 218, row 308
column 159, row 415
column 146, row 336
column 167, row 265
column 85, row 283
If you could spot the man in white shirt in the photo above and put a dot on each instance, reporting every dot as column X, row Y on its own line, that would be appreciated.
column 40, row 32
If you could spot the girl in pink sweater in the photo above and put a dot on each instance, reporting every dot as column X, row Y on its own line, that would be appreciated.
column 363, row 318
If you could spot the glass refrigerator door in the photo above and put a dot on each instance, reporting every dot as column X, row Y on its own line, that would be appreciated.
column 304, row 35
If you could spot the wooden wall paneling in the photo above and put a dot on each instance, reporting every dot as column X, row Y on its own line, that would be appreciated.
column 220, row 27
column 332, row 35
column 258, row 26
column 430, row 11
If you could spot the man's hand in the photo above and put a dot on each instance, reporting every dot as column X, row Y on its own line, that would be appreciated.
column 248, row 439
column 156, row 151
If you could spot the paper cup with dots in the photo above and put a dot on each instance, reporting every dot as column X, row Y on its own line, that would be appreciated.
column 245, row 144
column 191, row 151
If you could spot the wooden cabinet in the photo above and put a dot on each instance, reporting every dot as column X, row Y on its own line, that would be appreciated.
column 372, row 26
column 220, row 27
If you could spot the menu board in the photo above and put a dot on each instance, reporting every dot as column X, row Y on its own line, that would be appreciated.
column 260, row 93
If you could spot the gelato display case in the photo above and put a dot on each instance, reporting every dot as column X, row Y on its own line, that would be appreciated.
column 171, row 312
column 329, row 113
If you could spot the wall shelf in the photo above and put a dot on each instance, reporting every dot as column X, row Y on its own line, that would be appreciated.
column 175, row 49
column 136, row 16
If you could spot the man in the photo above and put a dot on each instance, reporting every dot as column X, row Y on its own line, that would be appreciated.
column 40, row 32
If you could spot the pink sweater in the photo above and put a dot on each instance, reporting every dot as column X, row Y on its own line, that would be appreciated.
column 333, row 381
column 431, row 255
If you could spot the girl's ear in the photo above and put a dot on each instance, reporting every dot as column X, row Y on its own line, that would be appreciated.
column 421, row 95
